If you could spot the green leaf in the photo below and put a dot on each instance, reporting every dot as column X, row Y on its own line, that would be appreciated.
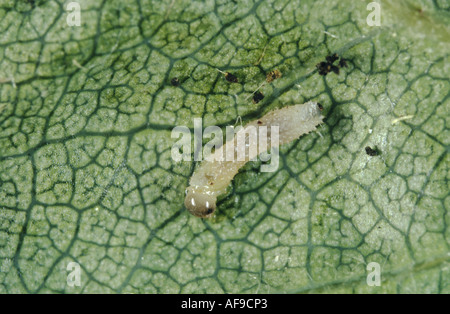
column 86, row 173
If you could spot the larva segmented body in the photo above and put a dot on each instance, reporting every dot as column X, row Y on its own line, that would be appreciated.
column 212, row 178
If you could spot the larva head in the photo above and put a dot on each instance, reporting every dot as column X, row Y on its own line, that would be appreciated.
column 315, row 109
column 310, row 111
column 200, row 204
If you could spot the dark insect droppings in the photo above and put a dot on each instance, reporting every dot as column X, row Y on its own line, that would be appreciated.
column 324, row 68
column 343, row 63
column 257, row 97
column 371, row 152
column 231, row 78
column 335, row 69
column 328, row 66
column 332, row 58
column 175, row 81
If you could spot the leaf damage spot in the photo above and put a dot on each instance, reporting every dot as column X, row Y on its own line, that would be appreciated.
column 273, row 75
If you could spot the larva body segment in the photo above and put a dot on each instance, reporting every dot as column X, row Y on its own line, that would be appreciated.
column 212, row 178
